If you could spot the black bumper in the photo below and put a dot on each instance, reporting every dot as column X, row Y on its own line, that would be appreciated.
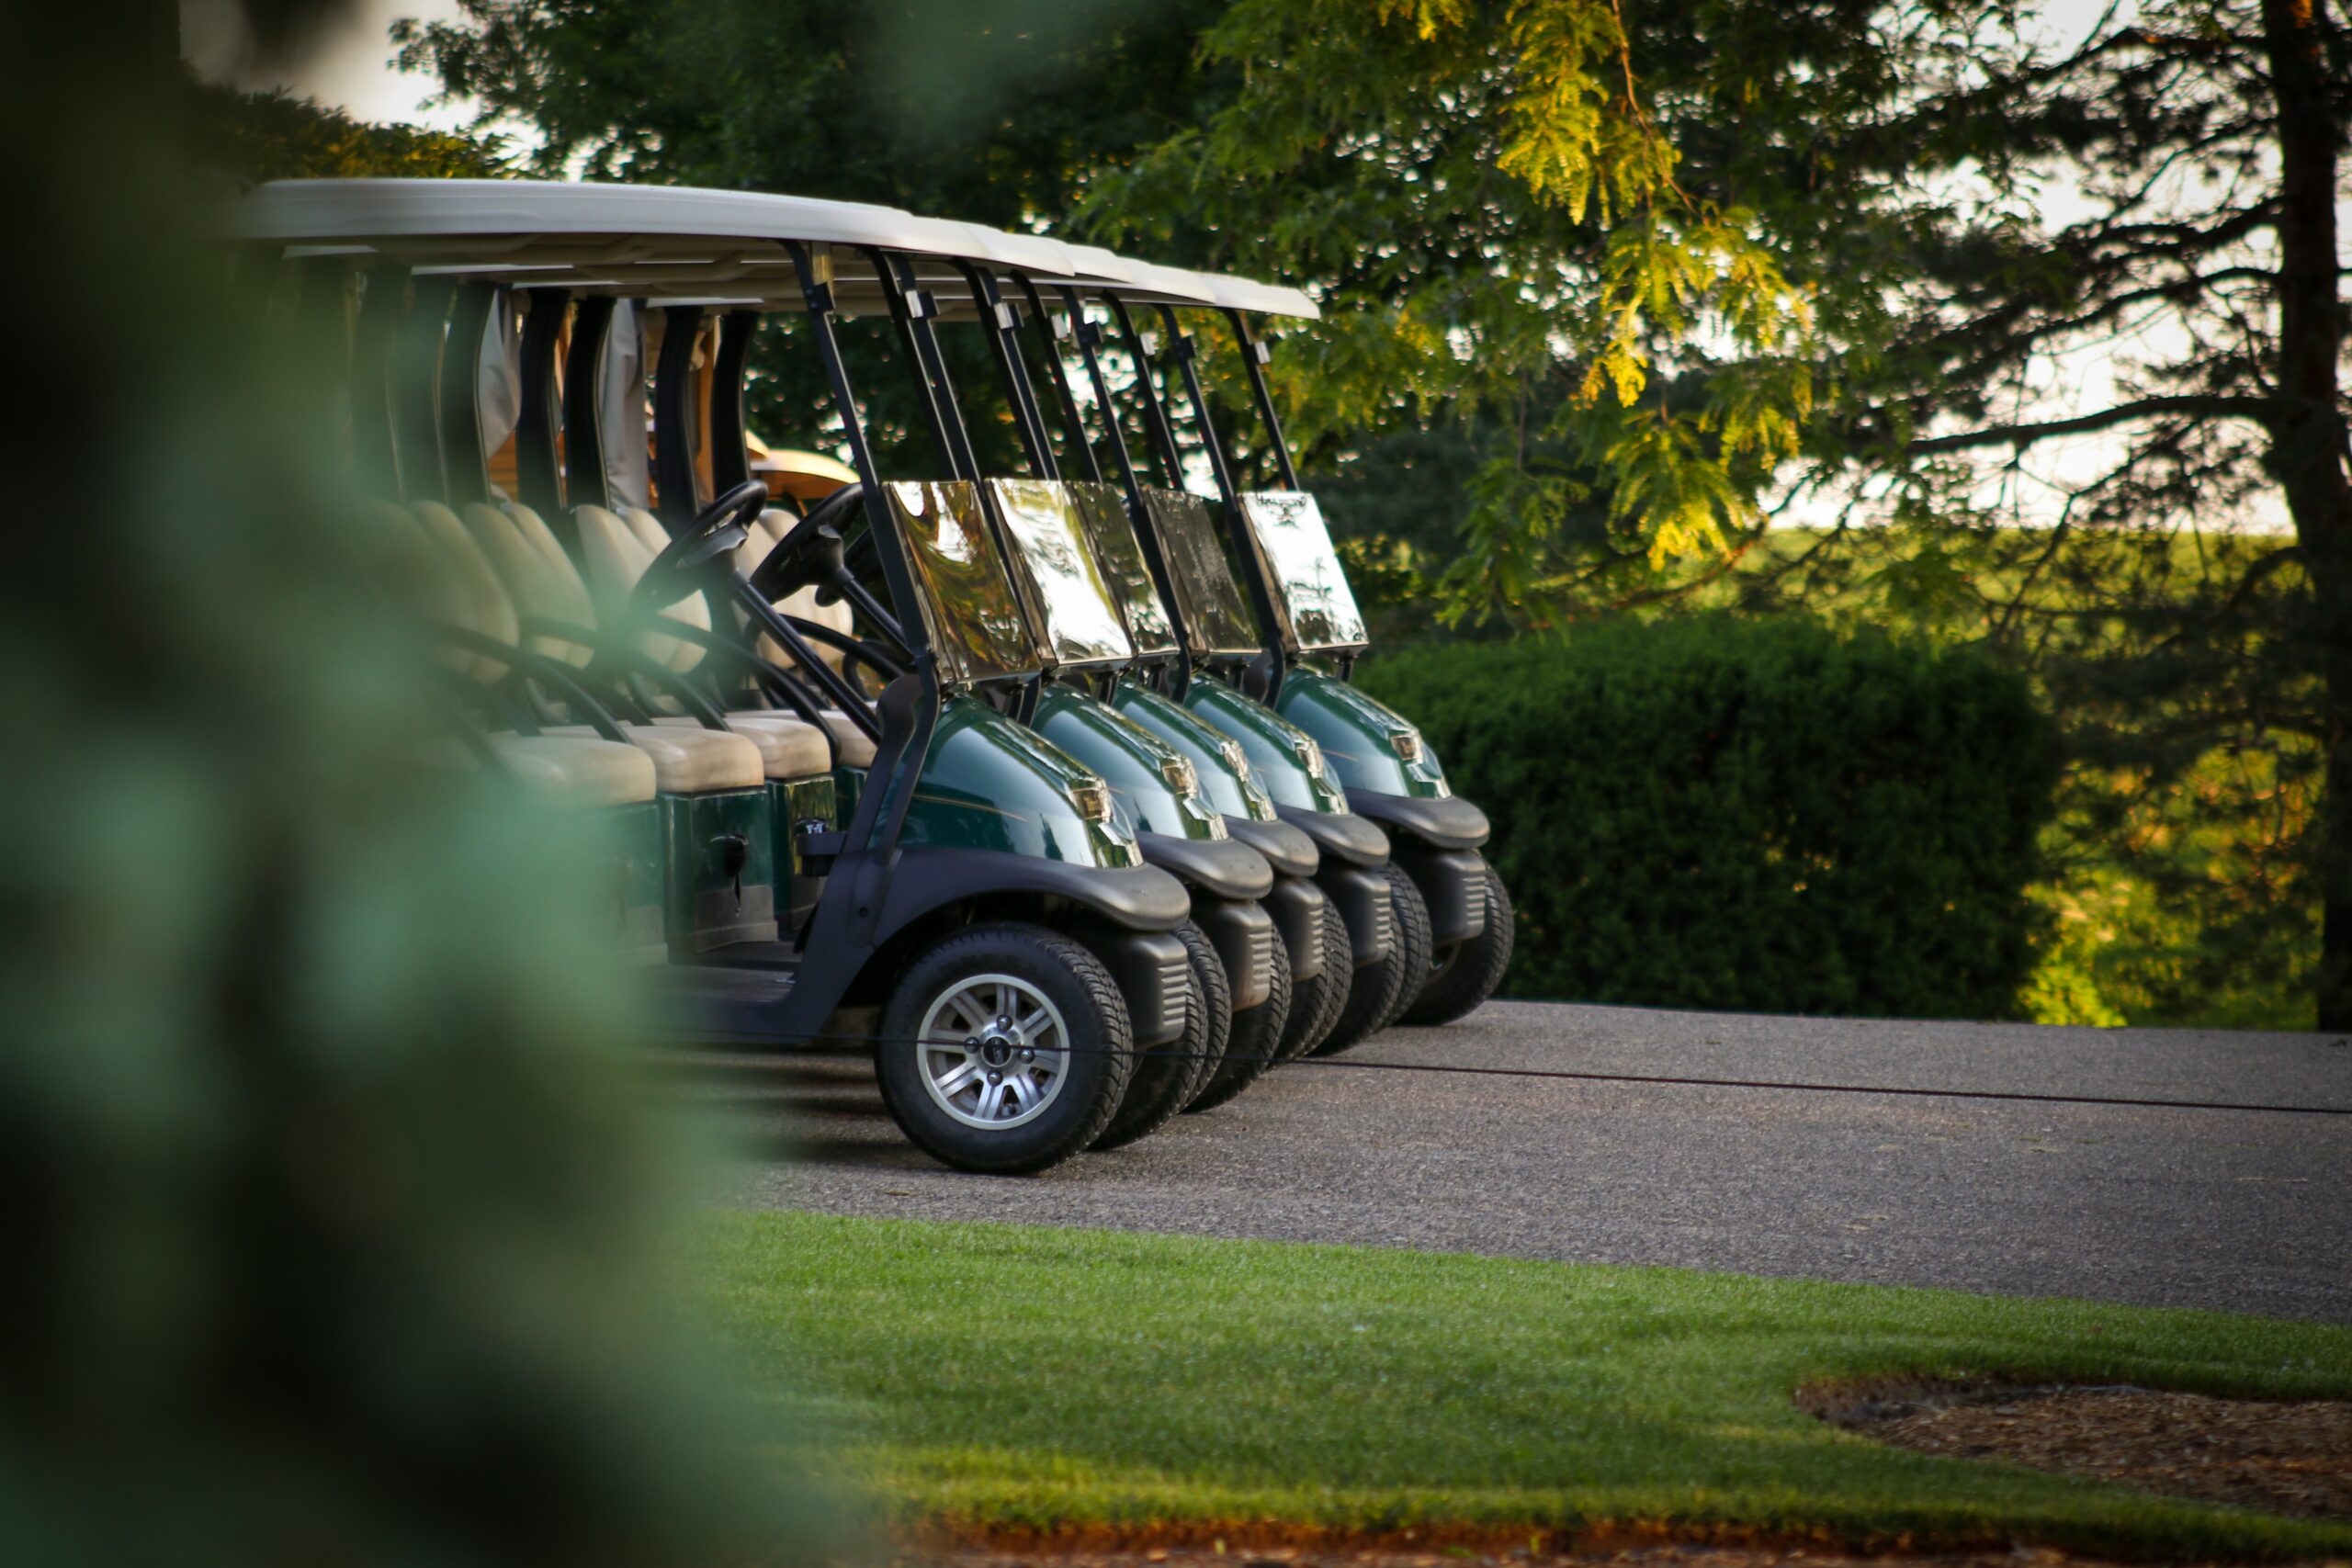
column 1223, row 868
column 1290, row 851
column 1351, row 840
column 1447, row 823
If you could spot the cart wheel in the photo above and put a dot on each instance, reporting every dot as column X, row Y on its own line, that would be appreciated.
column 1168, row 1076
column 1315, row 1004
column 1384, row 989
column 1466, row 973
column 1251, row 1049
column 1006, row 1048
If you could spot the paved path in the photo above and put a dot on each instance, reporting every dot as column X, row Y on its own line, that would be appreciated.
column 2247, row 1212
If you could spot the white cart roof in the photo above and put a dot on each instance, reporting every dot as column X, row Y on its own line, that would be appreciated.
column 678, row 244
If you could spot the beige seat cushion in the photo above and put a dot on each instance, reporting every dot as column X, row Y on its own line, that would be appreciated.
column 538, row 588
column 616, row 555
column 575, row 770
column 790, row 748
column 489, row 611
column 689, row 761
column 856, row 750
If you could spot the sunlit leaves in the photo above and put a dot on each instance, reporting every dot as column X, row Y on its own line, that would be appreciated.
column 1483, row 197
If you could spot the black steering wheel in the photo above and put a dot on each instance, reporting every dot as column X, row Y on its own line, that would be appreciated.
column 678, row 571
column 812, row 550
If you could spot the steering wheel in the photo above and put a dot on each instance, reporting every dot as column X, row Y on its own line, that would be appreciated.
column 812, row 550
column 678, row 570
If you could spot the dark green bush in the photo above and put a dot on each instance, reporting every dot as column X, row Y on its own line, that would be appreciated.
column 1754, row 814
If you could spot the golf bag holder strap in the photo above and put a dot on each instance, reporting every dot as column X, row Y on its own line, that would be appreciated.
column 1351, row 840
column 1224, row 868
column 1290, row 851
column 1448, row 822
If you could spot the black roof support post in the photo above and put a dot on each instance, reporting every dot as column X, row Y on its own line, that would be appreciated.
column 538, row 468
column 1090, row 342
column 1003, row 325
column 673, row 418
column 1050, row 330
column 868, row 828
column 1255, row 357
column 913, row 310
column 730, row 454
column 375, row 455
column 1266, row 671
column 416, row 388
column 1155, row 416
column 583, row 405
column 463, row 461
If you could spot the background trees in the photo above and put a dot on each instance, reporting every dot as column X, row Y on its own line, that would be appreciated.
column 2007, row 325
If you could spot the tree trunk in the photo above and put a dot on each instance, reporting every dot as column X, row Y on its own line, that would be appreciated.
column 2308, row 438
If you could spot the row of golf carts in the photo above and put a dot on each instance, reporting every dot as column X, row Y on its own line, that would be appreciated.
column 1050, row 791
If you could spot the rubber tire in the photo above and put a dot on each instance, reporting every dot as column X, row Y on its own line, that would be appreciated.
column 1411, row 913
column 1379, row 994
column 1093, row 1010
column 1168, row 1077
column 1467, row 975
column 1315, row 1004
column 1251, row 1048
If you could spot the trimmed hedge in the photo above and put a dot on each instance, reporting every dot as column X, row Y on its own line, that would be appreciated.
column 1748, row 815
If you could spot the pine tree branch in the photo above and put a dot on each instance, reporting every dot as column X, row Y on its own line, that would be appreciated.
column 2200, row 405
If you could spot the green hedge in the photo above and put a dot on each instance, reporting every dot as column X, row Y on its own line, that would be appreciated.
column 1751, row 815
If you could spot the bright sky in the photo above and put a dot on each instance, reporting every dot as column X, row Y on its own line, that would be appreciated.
column 348, row 67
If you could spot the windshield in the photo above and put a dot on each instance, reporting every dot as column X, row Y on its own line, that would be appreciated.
column 1214, row 612
column 1120, row 555
column 976, row 627
column 1080, row 616
column 1309, row 584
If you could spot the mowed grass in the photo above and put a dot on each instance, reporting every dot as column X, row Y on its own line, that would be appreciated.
column 1010, row 1376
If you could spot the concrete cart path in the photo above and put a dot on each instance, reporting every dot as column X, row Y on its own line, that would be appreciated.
column 2239, row 1212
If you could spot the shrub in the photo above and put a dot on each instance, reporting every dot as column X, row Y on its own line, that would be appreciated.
column 1753, row 814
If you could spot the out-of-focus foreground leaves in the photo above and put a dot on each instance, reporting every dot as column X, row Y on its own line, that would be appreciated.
column 336, row 1233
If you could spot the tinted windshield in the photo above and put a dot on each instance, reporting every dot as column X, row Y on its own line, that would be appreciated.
column 1120, row 555
column 1309, row 584
column 1214, row 612
column 1081, row 617
column 976, row 623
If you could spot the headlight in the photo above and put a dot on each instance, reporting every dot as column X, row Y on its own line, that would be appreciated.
column 1093, row 799
column 1177, row 772
column 1235, row 757
column 1407, row 743
column 1310, row 756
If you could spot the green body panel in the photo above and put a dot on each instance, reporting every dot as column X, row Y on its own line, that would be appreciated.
column 1130, row 758
column 629, row 838
column 990, row 784
column 704, row 905
column 848, row 784
column 1358, row 736
column 1272, row 744
column 1233, row 791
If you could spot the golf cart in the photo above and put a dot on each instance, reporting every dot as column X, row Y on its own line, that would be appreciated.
column 1186, row 788
column 1311, row 635
column 981, row 921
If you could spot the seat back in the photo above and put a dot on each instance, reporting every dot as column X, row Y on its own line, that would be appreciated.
column 616, row 554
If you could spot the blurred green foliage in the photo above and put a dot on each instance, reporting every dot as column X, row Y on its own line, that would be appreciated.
column 339, row 1228
column 1763, row 816
column 277, row 136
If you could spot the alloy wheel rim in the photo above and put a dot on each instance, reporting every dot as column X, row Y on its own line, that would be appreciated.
column 994, row 1052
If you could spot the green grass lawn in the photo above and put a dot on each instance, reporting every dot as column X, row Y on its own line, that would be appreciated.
column 1026, row 1377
